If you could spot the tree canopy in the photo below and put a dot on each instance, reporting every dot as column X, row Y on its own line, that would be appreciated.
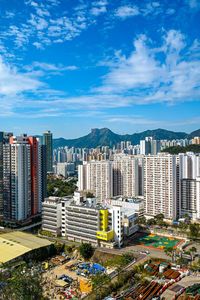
column 86, row 250
column 179, row 149
column 60, row 188
column 21, row 283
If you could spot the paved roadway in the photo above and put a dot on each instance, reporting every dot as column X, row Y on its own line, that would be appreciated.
column 134, row 249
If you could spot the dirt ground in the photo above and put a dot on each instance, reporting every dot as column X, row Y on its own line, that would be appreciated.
column 60, row 270
column 53, row 274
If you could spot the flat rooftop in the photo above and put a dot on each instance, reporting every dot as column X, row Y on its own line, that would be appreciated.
column 17, row 243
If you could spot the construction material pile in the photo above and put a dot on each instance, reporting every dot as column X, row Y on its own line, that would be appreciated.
column 144, row 291
column 156, row 267
column 171, row 274
column 86, row 269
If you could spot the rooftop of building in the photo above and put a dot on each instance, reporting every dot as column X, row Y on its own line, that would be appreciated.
column 125, row 199
column 17, row 243
column 127, row 212
column 58, row 199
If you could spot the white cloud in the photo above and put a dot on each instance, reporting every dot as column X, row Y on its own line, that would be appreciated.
column 13, row 84
column 9, row 14
column 37, row 22
column 194, row 4
column 38, row 45
column 155, row 123
column 50, row 67
column 144, row 78
column 98, row 8
column 95, row 11
column 33, row 4
column 42, row 12
column 124, row 12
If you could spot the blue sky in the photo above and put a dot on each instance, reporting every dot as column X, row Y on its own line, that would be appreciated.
column 73, row 65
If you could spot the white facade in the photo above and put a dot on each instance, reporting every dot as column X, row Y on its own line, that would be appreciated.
column 198, row 196
column 17, row 167
column 136, row 205
column 189, row 165
column 51, row 215
column 129, row 222
column 116, row 217
column 189, row 172
column 65, row 169
column 160, row 185
column 97, row 177
column 125, row 175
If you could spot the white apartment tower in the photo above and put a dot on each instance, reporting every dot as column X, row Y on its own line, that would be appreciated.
column 17, row 179
column 189, row 172
column 160, row 185
column 125, row 175
column 97, row 177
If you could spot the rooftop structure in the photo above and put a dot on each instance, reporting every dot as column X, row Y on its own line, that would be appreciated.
column 15, row 244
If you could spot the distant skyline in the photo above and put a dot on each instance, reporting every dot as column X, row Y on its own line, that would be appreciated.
column 69, row 66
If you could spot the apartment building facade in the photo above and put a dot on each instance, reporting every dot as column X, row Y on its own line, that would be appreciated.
column 52, row 215
column 97, row 177
column 160, row 185
column 125, row 175
column 23, row 174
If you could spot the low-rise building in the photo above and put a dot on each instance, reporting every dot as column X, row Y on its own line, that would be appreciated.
column 88, row 222
column 83, row 220
column 51, row 215
column 129, row 222
column 136, row 204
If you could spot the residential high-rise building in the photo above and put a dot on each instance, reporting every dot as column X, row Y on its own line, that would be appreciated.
column 17, row 179
column 160, row 185
column 189, row 195
column 149, row 146
column 125, row 175
column 22, row 177
column 43, row 164
column 189, row 172
column 196, row 140
column 4, row 139
column 48, row 141
column 97, row 177
column 155, row 147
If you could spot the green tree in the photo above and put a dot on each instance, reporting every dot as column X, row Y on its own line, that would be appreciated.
column 151, row 222
column 159, row 217
column 21, row 284
column 60, row 188
column 194, row 230
column 98, row 281
column 142, row 220
column 86, row 250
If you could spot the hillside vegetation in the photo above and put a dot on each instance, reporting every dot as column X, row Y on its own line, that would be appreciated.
column 179, row 149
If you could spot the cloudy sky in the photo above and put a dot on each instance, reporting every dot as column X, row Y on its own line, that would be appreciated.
column 73, row 65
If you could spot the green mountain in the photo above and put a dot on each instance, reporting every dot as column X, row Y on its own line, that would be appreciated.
column 105, row 137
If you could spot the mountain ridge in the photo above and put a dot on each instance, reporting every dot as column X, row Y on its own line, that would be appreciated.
column 106, row 137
